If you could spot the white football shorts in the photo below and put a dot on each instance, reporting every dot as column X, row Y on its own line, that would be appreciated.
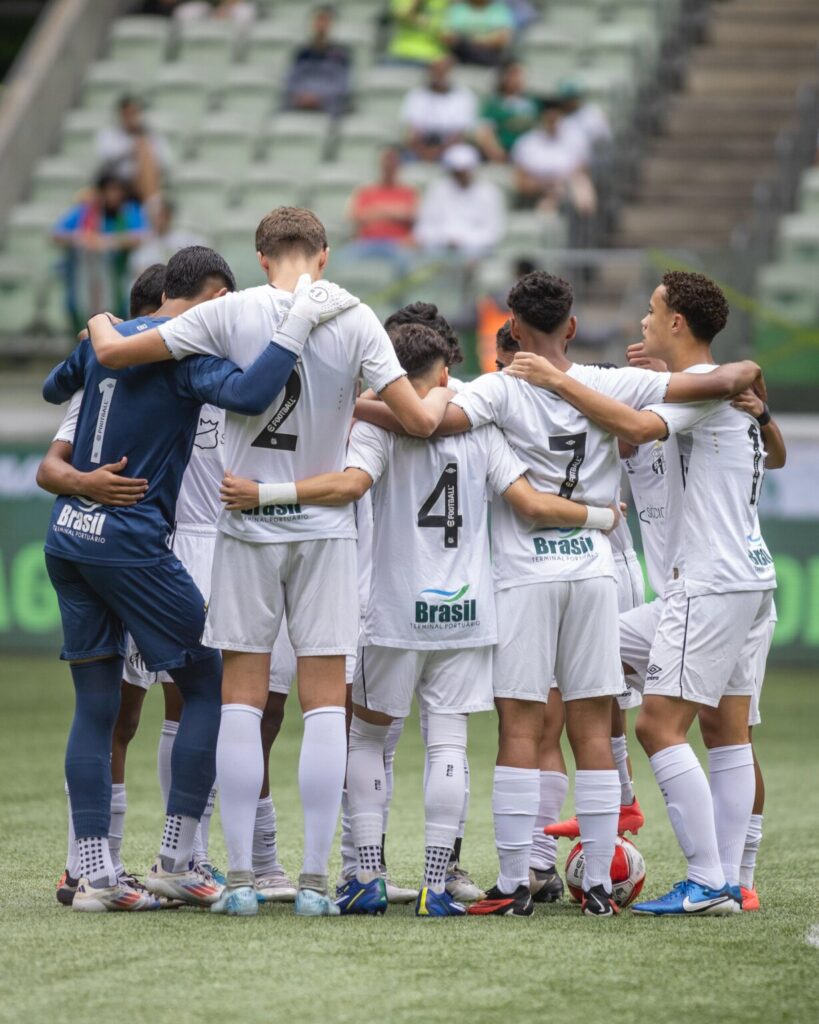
column 454, row 681
column 282, row 662
column 631, row 588
column 707, row 647
column 313, row 581
column 566, row 630
column 754, row 717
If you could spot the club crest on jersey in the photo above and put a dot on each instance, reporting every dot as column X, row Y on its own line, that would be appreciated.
column 84, row 522
column 658, row 459
column 207, row 435
column 439, row 608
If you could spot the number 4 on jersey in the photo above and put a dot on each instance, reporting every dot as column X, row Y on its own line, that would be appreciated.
column 451, row 521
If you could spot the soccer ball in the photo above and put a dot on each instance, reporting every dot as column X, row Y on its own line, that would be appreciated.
column 628, row 872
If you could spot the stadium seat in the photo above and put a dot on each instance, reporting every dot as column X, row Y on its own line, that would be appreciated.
column 574, row 16
column 18, row 298
column 233, row 237
column 26, row 239
column 626, row 49
column 107, row 80
column 648, row 15
column 249, row 92
column 359, row 37
column 790, row 291
column 201, row 193
column 176, row 128
column 549, row 46
column 79, row 135
column 208, row 45
column 272, row 42
column 139, row 40
column 359, row 140
column 58, row 180
column 372, row 280
column 183, row 90
column 480, row 80
column 328, row 194
column 380, row 91
column 809, row 191
column 799, row 239
column 227, row 140
column 296, row 141
column 419, row 174
column 262, row 187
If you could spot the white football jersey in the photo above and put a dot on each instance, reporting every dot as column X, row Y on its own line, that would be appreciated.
column 620, row 537
column 716, row 461
column 565, row 454
column 304, row 432
column 364, row 548
column 646, row 471
column 432, row 579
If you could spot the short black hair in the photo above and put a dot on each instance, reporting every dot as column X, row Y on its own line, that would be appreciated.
column 146, row 291
column 130, row 99
column 189, row 269
column 541, row 300
column 108, row 176
column 504, row 339
column 418, row 348
column 699, row 299
column 426, row 313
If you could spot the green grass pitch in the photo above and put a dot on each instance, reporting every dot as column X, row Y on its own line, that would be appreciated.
column 189, row 966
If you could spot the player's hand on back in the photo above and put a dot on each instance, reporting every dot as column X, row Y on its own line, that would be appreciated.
column 636, row 355
column 748, row 401
column 238, row 493
column 320, row 301
column 108, row 487
column 536, row 370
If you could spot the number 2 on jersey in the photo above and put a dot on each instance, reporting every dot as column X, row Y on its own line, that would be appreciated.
column 575, row 443
column 271, row 436
column 451, row 521
column 107, row 391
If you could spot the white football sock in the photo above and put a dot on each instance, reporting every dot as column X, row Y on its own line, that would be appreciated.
column 752, row 841
column 465, row 808
column 597, row 804
column 265, row 847
column 515, row 799
column 733, row 788
column 116, row 830
column 201, row 840
column 619, row 749
column 322, row 763
column 423, row 724
column 163, row 758
column 176, row 851
column 72, row 860
column 393, row 736
column 239, row 769
column 366, row 792
column 444, row 791
column 553, row 789
column 95, row 861
column 349, row 858
column 691, row 811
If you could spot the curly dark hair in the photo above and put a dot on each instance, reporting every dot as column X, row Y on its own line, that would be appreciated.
column 426, row 313
column 699, row 300
column 504, row 339
column 418, row 348
column 542, row 300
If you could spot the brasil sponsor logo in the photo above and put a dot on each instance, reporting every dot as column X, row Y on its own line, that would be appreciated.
column 758, row 553
column 84, row 522
column 275, row 512
column 438, row 607
column 568, row 545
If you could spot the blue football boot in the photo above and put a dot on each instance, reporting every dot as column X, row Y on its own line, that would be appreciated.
column 691, row 898
column 437, row 904
column 356, row 897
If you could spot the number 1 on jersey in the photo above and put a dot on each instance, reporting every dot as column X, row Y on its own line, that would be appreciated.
column 107, row 391
column 451, row 521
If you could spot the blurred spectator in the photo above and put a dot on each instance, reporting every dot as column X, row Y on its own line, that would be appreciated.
column 479, row 31
column 319, row 77
column 239, row 11
column 417, row 31
column 459, row 211
column 507, row 114
column 439, row 113
column 163, row 239
column 550, row 164
column 131, row 151
column 97, row 235
column 589, row 119
column 383, row 213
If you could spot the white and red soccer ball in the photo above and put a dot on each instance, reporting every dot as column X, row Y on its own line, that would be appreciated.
column 628, row 872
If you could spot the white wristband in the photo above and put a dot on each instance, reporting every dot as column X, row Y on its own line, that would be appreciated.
column 278, row 494
column 598, row 518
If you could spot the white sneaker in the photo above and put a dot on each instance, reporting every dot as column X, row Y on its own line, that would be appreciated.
column 460, row 886
column 310, row 903
column 396, row 893
column 110, row 898
column 193, row 886
column 275, row 888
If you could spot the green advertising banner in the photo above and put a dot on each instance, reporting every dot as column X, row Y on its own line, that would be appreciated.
column 30, row 619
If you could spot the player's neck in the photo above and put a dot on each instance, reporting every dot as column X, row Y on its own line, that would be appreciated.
column 690, row 353
column 286, row 273
column 554, row 349
column 173, row 307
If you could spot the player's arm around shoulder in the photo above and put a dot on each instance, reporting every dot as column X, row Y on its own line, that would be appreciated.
column 116, row 352
column 775, row 451
column 550, row 510
column 238, row 493
column 721, row 383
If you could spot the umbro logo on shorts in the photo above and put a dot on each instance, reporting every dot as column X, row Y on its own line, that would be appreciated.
column 654, row 670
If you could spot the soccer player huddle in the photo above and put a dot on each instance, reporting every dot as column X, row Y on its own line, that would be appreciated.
column 235, row 513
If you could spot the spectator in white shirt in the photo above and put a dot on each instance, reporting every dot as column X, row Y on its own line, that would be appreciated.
column 550, row 164
column 131, row 151
column 588, row 118
column 438, row 114
column 459, row 212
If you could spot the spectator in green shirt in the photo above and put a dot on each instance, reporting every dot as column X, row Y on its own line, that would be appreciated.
column 507, row 114
column 479, row 31
column 418, row 27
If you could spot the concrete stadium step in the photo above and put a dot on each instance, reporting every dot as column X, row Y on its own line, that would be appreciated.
column 721, row 147
column 694, row 193
column 748, row 80
column 672, row 169
column 700, row 116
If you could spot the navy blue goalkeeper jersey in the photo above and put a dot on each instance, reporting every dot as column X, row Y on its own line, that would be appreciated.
column 149, row 414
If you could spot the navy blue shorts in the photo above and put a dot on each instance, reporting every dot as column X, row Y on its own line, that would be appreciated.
column 159, row 605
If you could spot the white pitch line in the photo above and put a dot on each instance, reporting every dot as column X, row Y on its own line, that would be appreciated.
column 812, row 936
